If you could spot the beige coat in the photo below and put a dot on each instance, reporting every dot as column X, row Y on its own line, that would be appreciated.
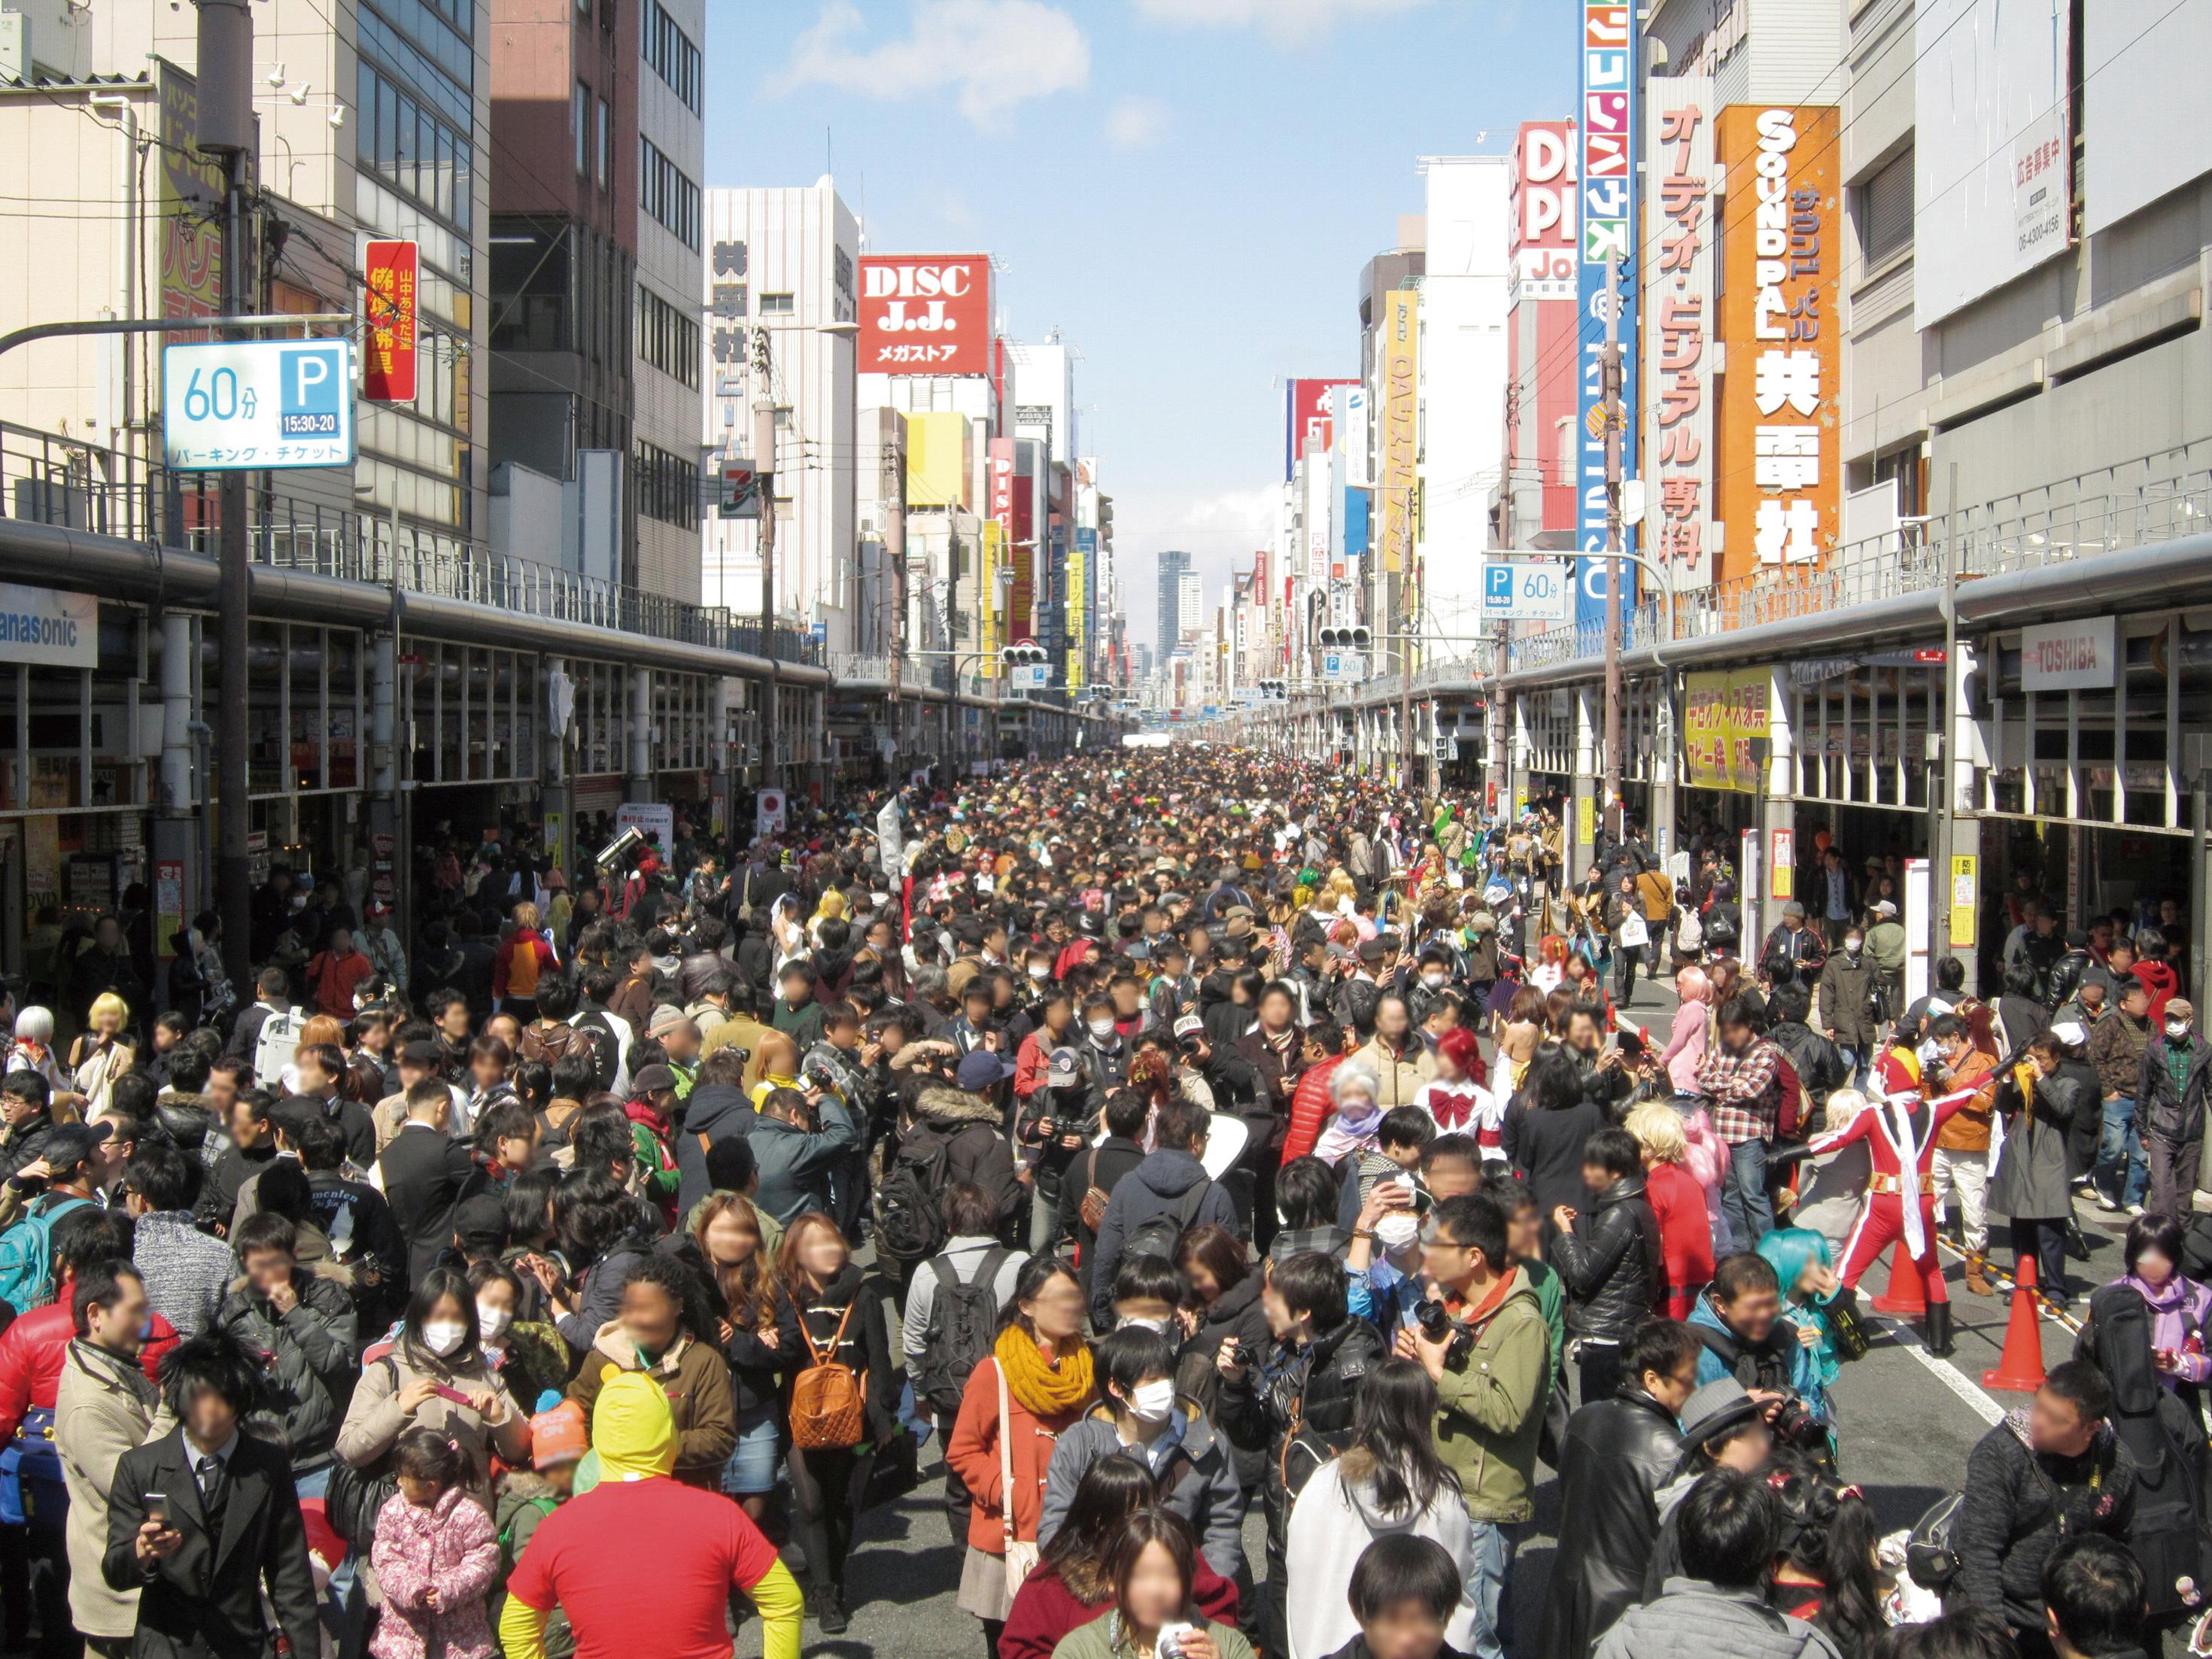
column 101, row 1410
column 1397, row 1080
column 373, row 1421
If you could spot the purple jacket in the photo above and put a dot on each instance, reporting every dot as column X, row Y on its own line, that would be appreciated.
column 2177, row 1308
column 451, row 1546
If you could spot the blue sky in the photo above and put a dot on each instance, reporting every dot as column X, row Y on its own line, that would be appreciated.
column 1187, row 189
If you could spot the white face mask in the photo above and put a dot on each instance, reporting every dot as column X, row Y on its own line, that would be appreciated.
column 1153, row 1401
column 1102, row 1030
column 492, row 1322
column 1134, row 1323
column 442, row 1336
column 1434, row 982
column 1396, row 1230
column 1040, row 970
column 2177, row 1028
column 1852, row 942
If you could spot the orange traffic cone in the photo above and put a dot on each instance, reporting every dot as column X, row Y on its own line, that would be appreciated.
column 2019, row 1367
column 1906, row 1294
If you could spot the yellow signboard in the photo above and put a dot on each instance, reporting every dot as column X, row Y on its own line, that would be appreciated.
column 1966, row 899
column 938, row 458
column 1586, row 820
column 988, row 582
column 1401, row 381
column 1724, row 714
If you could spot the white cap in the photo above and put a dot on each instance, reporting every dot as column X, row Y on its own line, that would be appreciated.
column 2070, row 1032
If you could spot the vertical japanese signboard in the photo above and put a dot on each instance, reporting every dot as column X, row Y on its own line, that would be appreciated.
column 387, row 358
column 1401, row 346
column 1607, row 135
column 1540, row 243
column 192, row 198
column 1679, row 312
column 998, row 547
column 1779, row 315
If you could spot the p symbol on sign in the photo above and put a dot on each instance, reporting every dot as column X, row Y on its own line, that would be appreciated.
column 313, row 368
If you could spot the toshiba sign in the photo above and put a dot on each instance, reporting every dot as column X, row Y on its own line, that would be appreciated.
column 925, row 314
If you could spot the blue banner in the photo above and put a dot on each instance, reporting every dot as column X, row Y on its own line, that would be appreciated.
column 1607, row 134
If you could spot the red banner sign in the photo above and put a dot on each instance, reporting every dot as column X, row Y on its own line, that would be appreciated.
column 925, row 313
column 387, row 358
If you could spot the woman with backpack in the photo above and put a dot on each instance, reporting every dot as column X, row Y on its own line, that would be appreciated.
column 840, row 1401
column 1036, row 1385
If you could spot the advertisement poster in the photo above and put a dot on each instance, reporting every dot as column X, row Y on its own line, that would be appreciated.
column 1724, row 714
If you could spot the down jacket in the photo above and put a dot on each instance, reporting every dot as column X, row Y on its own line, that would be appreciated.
column 451, row 1546
column 1611, row 1261
column 1693, row 1620
column 2019, row 1503
column 1196, row 1480
column 307, row 1360
column 1297, row 1405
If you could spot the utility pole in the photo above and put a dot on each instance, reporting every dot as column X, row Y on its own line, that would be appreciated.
column 764, row 540
column 1613, row 422
column 895, row 550
column 226, row 130
column 1405, row 657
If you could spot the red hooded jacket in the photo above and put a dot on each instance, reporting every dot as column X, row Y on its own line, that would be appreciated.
column 31, row 1353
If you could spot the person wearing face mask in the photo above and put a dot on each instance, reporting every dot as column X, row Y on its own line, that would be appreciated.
column 1382, row 1265
column 1141, row 1416
column 435, row 1375
column 528, row 1354
column 2177, row 1083
column 1846, row 990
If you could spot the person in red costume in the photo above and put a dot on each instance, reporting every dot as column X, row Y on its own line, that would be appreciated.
column 1900, row 1129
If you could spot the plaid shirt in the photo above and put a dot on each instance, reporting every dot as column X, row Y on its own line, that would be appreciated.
column 1745, row 1089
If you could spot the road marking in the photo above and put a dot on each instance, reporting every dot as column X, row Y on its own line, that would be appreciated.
column 1948, row 1375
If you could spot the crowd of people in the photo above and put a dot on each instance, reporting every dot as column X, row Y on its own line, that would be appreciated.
column 1175, row 1140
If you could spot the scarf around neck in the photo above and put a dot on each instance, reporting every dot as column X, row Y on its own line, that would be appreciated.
column 1043, row 1388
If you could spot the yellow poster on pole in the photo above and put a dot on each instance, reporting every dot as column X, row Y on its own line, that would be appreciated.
column 1586, row 820
column 1966, row 899
column 988, row 583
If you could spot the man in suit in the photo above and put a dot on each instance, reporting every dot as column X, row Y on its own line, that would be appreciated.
column 423, row 1173
column 200, row 1521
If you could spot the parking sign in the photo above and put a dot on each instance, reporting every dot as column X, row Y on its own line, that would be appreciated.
column 241, row 405
column 1526, row 590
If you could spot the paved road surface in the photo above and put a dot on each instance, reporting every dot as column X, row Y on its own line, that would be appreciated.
column 1908, row 1421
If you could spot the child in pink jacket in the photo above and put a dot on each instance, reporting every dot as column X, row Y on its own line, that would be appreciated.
column 436, row 1554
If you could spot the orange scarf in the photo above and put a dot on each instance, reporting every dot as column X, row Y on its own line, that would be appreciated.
column 1044, row 1388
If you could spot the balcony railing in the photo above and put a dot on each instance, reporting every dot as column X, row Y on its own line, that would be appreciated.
column 60, row 481
column 2156, row 498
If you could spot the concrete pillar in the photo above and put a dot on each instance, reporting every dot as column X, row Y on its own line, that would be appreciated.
column 176, row 823
column 389, row 856
column 1665, row 762
column 721, row 788
column 639, row 785
column 1967, row 744
column 1520, row 753
column 1777, row 810
column 1589, row 788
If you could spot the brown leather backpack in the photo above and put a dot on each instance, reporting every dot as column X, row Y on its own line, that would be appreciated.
column 827, row 1411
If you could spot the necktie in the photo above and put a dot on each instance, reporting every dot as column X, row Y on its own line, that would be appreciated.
column 210, row 1470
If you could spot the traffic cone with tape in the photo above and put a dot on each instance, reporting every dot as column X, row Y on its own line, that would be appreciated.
column 1906, row 1294
column 2019, row 1367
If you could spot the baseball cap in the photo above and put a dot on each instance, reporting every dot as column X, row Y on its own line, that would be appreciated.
column 480, row 1224
column 653, row 1078
column 1189, row 1026
column 424, row 1053
column 1884, row 908
column 558, row 1435
column 982, row 1070
column 70, row 1144
column 1064, row 1069
column 2180, row 1008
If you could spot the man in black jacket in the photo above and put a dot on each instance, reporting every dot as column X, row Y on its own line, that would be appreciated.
column 1608, row 1259
column 424, row 1173
column 1296, row 1401
column 270, row 993
column 1100, row 1168
column 2052, row 1469
column 201, row 1520
column 1614, row 1457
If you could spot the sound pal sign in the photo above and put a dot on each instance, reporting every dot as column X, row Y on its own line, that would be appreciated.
column 925, row 313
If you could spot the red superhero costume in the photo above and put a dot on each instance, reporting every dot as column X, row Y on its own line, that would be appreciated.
column 1899, row 1130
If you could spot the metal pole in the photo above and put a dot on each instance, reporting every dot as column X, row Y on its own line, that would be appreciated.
column 765, row 539
column 894, row 549
column 1614, row 423
column 1939, row 777
column 1405, row 657
column 225, row 70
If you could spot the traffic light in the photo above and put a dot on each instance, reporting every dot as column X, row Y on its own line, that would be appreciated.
column 1347, row 639
column 1023, row 656
column 1275, row 689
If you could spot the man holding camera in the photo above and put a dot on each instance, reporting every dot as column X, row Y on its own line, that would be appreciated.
column 1483, row 1339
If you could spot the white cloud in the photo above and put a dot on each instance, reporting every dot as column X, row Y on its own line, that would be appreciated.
column 990, row 54
column 1137, row 123
column 1287, row 23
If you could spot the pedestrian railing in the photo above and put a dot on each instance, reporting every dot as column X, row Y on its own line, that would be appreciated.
column 2156, row 498
column 50, row 478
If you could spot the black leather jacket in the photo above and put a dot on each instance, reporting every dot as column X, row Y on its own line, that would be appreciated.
column 1298, row 1405
column 2065, row 977
column 1612, row 1263
column 1615, row 1455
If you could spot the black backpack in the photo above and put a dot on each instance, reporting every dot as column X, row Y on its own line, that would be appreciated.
column 964, row 1324
column 2166, row 1532
column 907, row 1225
column 1160, row 1234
